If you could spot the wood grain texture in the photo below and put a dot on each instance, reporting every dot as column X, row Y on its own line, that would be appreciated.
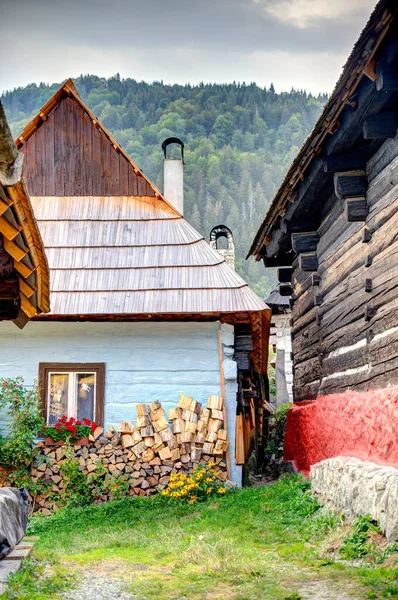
column 69, row 155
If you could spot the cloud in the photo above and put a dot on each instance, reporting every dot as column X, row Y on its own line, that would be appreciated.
column 310, row 13
column 180, row 40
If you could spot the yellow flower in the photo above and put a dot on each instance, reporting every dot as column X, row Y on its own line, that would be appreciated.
column 221, row 490
column 192, row 500
column 209, row 490
column 211, row 464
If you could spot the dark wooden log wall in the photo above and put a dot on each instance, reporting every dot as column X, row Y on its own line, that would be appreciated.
column 68, row 155
column 345, row 314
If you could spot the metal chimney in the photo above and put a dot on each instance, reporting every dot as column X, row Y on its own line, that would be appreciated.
column 174, row 176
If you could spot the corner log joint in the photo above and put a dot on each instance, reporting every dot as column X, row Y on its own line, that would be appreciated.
column 305, row 242
column 350, row 184
column 356, row 209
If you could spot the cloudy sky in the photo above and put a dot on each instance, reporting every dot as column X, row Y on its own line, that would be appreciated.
column 292, row 43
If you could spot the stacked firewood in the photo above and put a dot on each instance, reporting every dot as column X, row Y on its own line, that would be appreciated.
column 145, row 453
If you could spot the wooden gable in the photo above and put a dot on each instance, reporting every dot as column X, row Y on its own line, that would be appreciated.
column 69, row 153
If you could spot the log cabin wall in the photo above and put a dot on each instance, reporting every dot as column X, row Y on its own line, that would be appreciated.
column 345, row 320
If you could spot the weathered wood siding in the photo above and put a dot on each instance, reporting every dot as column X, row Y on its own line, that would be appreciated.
column 144, row 361
column 346, row 329
column 69, row 156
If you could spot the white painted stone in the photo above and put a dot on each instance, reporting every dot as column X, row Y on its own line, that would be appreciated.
column 227, row 334
column 359, row 488
column 230, row 370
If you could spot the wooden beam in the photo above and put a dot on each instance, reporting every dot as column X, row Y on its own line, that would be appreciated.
column 356, row 209
column 299, row 225
column 8, row 230
column 308, row 261
column 22, row 269
column 13, row 250
column 27, row 306
column 26, row 288
column 284, row 275
column 387, row 79
column 350, row 184
column 368, row 285
column 3, row 206
column 381, row 126
column 305, row 242
column 285, row 289
column 351, row 160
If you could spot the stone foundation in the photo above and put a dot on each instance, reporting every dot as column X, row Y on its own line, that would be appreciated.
column 359, row 488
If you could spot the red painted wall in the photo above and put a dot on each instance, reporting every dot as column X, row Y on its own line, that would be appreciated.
column 359, row 424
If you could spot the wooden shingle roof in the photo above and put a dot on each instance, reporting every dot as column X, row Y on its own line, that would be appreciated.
column 19, row 233
column 126, row 259
column 114, row 244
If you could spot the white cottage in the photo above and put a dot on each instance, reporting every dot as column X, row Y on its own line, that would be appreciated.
column 141, row 307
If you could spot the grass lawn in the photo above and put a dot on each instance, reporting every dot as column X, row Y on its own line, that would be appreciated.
column 268, row 542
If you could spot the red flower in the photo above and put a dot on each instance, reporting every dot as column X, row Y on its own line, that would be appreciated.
column 57, row 425
column 78, row 422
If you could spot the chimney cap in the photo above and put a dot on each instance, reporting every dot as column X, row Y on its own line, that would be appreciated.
column 173, row 140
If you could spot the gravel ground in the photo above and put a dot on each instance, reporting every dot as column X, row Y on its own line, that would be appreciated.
column 94, row 587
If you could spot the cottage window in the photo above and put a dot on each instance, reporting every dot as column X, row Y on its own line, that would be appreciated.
column 75, row 390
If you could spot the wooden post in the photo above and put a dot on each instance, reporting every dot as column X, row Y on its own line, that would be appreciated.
column 222, row 387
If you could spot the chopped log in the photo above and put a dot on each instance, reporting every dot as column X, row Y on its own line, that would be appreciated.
column 308, row 261
column 380, row 126
column 217, row 414
column 160, row 424
column 350, row 184
column 185, row 402
column 208, row 448
column 214, row 425
column 165, row 453
column 214, row 402
column 127, row 441
column 125, row 427
column 148, row 455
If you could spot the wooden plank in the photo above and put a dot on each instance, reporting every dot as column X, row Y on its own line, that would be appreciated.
column 142, row 187
column 114, row 175
column 22, row 269
column 96, row 174
column 105, row 165
column 40, row 161
column 87, row 155
column 133, row 182
column 69, row 147
column 26, row 288
column 27, row 306
column 59, row 150
column 78, row 149
column 240, row 442
column 13, row 250
column 48, row 129
column 8, row 230
column 123, row 176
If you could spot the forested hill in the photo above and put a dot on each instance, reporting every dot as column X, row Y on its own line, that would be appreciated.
column 240, row 140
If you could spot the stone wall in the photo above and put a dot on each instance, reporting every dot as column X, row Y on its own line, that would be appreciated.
column 359, row 424
column 359, row 488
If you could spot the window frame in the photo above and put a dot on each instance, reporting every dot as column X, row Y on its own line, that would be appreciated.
column 98, row 368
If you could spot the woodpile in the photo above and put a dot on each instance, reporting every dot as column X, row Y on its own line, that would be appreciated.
column 146, row 452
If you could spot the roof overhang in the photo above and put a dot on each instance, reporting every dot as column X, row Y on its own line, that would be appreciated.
column 338, row 130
